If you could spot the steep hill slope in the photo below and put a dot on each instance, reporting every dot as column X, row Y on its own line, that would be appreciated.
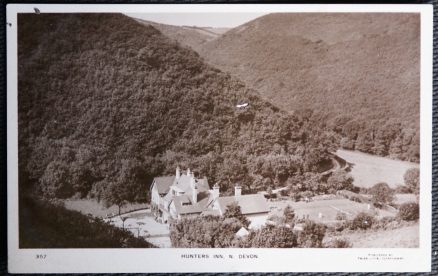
column 358, row 73
column 44, row 225
column 106, row 103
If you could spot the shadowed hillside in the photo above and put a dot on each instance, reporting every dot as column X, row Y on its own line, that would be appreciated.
column 106, row 104
column 44, row 225
column 358, row 73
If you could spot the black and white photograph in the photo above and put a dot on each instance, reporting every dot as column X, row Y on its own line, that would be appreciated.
column 198, row 130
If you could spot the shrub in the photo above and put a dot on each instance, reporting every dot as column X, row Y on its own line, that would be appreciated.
column 409, row 211
column 362, row 221
column 356, row 199
column 384, row 223
column 382, row 193
column 412, row 180
column 340, row 226
column 312, row 235
column 340, row 243
column 341, row 216
column 402, row 189
column 270, row 237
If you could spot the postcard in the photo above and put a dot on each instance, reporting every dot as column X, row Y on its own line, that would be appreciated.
column 219, row 138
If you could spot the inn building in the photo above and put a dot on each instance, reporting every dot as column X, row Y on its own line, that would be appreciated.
column 184, row 195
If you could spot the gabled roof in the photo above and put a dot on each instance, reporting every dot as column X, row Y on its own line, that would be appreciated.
column 249, row 204
column 196, row 208
column 163, row 183
column 184, row 183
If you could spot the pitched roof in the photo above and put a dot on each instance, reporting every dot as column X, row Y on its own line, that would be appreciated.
column 183, row 183
column 163, row 183
column 198, row 207
column 249, row 204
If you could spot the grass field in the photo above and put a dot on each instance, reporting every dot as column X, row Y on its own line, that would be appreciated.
column 368, row 169
column 403, row 198
column 97, row 209
column 327, row 208
column 406, row 237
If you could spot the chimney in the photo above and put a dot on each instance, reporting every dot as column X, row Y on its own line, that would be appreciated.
column 215, row 191
column 178, row 172
column 237, row 190
column 192, row 181
column 195, row 195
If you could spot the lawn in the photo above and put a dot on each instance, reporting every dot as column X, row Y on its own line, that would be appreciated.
column 405, row 237
column 328, row 209
column 368, row 169
column 404, row 198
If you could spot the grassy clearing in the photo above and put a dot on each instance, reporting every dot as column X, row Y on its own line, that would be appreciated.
column 406, row 237
column 368, row 169
column 327, row 208
column 97, row 209
column 404, row 198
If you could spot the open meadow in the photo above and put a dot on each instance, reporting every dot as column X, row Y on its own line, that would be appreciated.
column 368, row 169
column 325, row 211
column 404, row 237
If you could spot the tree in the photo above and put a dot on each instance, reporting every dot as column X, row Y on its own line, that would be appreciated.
column 116, row 194
column 409, row 211
column 270, row 236
column 340, row 180
column 362, row 221
column 312, row 234
column 412, row 179
column 55, row 182
column 381, row 193
column 233, row 211
column 289, row 215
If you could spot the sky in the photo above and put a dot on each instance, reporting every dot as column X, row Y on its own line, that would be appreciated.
column 216, row 20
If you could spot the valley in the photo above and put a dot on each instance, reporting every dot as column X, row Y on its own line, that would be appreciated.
column 251, row 114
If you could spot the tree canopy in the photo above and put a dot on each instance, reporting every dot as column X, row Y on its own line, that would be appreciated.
column 106, row 104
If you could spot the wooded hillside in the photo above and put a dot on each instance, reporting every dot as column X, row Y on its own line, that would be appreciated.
column 358, row 73
column 106, row 104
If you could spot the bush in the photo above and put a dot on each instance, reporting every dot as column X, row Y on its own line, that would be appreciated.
column 409, row 211
column 341, row 216
column 270, row 237
column 412, row 180
column 402, row 189
column 362, row 221
column 382, row 193
column 384, row 223
column 356, row 199
column 312, row 235
column 340, row 243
